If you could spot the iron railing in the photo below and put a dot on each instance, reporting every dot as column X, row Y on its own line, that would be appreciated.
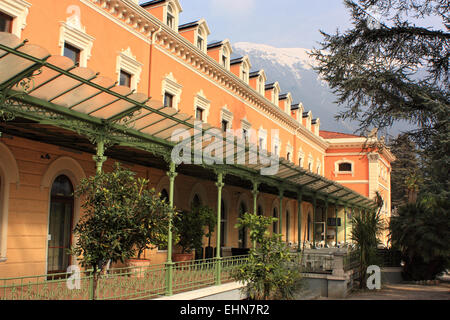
column 351, row 260
column 148, row 282
column 131, row 283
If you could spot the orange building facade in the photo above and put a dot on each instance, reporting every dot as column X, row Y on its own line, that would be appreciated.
column 145, row 49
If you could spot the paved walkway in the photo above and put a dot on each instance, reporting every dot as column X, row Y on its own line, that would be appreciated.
column 405, row 292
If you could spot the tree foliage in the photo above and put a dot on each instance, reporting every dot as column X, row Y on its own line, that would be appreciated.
column 272, row 271
column 406, row 167
column 366, row 230
column 395, row 70
column 421, row 231
column 122, row 217
column 190, row 227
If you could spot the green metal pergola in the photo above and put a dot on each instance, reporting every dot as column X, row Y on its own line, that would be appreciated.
column 47, row 98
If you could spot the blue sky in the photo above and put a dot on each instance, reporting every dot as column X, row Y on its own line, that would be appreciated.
column 280, row 23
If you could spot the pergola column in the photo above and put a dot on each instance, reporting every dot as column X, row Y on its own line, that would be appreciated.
column 314, row 219
column 280, row 220
column 100, row 158
column 326, row 222
column 169, row 277
column 345, row 224
column 255, row 193
column 299, row 220
column 336, row 217
column 218, row 263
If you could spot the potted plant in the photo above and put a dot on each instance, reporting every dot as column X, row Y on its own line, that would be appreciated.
column 209, row 218
column 190, row 234
column 122, row 216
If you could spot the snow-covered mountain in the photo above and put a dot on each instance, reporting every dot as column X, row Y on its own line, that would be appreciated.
column 292, row 68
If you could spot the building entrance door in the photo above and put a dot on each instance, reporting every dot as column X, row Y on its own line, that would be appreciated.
column 60, row 225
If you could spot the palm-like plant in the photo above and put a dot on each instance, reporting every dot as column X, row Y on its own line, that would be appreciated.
column 365, row 233
column 422, row 231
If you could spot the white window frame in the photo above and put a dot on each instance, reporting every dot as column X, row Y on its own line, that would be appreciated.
column 247, row 126
column 262, row 134
column 18, row 10
column 336, row 168
column 171, row 86
column 227, row 55
column 319, row 167
column 290, row 150
column 200, row 101
column 276, row 142
column 301, row 155
column 245, row 72
column 226, row 115
column 176, row 9
column 73, row 33
column 127, row 62
column 201, row 34
column 288, row 104
column 310, row 163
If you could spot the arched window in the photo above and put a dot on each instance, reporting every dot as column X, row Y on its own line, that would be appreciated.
column 164, row 195
column 196, row 202
column 242, row 239
column 60, row 225
column 260, row 211
column 200, row 39
column 345, row 167
column 225, row 58
column 170, row 21
column 275, row 224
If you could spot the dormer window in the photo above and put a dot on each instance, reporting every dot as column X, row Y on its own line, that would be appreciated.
column 200, row 40
column 245, row 75
column 276, row 96
column 170, row 20
column 225, row 58
column 261, row 85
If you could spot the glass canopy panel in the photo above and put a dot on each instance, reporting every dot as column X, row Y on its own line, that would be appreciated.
column 90, row 94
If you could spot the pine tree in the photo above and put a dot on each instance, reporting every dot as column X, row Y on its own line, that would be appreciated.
column 405, row 166
column 395, row 70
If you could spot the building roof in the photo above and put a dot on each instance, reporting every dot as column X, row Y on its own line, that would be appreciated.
column 215, row 44
column 149, row 3
column 295, row 106
column 237, row 60
column 189, row 25
column 336, row 135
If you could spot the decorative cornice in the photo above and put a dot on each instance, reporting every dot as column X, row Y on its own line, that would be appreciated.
column 142, row 21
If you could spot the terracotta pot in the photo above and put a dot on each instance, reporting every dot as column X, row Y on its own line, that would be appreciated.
column 183, row 258
column 138, row 267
